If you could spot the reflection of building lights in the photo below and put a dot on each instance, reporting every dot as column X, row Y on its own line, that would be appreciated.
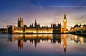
column 64, row 35
column 76, row 38
column 81, row 39
column 21, row 31
column 34, row 35
column 40, row 35
column 21, row 35
column 64, row 46
column 45, row 35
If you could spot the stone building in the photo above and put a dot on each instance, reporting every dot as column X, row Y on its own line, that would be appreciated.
column 31, row 29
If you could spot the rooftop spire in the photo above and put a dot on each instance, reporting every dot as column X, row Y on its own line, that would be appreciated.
column 65, row 15
column 35, row 19
column 18, row 19
column 20, row 16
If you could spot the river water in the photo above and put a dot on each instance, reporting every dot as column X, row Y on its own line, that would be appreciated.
column 42, row 45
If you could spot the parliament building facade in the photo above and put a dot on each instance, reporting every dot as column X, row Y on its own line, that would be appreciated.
column 32, row 29
column 36, row 28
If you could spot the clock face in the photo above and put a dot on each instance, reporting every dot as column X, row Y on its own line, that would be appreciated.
column 64, row 20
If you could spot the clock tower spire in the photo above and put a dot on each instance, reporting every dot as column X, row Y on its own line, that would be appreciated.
column 64, row 22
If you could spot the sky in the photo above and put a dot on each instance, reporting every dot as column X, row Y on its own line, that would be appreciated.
column 45, row 12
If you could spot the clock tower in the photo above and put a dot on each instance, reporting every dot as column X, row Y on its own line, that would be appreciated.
column 64, row 22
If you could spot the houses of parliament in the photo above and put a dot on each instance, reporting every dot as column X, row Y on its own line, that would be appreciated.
column 36, row 27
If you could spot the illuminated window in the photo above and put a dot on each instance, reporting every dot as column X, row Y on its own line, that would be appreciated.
column 64, row 31
column 82, row 26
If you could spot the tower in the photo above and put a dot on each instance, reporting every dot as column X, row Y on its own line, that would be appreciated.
column 51, row 25
column 32, row 24
column 35, row 23
column 64, row 22
column 20, row 22
column 10, row 29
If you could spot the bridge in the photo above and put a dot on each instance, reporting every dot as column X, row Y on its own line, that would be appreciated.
column 78, row 30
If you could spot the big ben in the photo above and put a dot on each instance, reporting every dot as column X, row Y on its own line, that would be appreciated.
column 64, row 23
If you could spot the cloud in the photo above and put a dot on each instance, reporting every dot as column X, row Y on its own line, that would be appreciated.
column 7, row 22
column 66, row 6
column 57, row 14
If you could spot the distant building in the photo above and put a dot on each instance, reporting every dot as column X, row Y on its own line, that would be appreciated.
column 56, row 29
column 10, row 29
column 3, row 30
column 78, row 26
column 78, row 29
column 31, row 29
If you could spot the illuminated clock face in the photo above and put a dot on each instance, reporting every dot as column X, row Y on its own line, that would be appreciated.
column 64, row 20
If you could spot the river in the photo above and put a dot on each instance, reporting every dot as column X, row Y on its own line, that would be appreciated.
column 42, row 45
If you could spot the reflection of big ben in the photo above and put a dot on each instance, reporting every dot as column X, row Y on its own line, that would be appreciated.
column 64, row 42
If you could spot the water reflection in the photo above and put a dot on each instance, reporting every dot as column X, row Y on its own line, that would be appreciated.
column 64, row 42
column 78, row 39
column 35, row 38
column 20, row 44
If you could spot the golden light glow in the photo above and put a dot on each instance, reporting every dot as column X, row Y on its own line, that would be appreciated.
column 75, row 28
column 81, row 25
column 81, row 39
column 76, row 38
column 18, row 31
column 64, row 25
column 34, row 30
column 64, row 20
column 64, row 31
column 34, row 36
